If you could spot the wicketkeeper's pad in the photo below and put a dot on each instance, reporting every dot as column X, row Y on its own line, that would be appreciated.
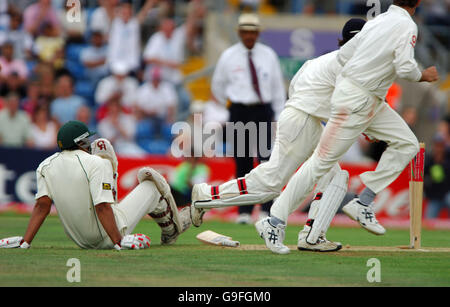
column 328, row 206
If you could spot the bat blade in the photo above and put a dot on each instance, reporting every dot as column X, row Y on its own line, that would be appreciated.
column 214, row 238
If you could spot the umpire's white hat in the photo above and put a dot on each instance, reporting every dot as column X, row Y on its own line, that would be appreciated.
column 249, row 22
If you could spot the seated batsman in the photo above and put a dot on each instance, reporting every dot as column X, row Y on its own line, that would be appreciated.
column 81, row 181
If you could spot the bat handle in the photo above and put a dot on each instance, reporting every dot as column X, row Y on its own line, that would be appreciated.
column 230, row 243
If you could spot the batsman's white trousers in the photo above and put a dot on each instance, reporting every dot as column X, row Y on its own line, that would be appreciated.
column 297, row 135
column 142, row 200
column 354, row 111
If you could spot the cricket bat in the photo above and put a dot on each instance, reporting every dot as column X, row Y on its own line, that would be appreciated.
column 416, row 197
column 211, row 237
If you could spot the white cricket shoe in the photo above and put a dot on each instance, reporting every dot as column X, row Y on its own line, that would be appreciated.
column 262, row 215
column 364, row 215
column 273, row 236
column 198, row 193
column 322, row 245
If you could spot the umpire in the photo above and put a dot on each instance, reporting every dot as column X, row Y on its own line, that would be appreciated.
column 248, row 78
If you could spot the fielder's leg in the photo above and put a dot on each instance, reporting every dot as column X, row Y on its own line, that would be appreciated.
column 312, row 237
column 387, row 126
column 296, row 138
column 352, row 111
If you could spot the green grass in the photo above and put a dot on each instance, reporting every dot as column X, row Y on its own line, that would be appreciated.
column 193, row 264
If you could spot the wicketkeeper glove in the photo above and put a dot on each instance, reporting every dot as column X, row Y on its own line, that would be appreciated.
column 14, row 242
column 134, row 241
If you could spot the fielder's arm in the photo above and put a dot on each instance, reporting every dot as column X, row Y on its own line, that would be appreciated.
column 40, row 212
column 106, row 217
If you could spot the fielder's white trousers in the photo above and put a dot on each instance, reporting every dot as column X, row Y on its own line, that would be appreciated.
column 354, row 111
column 297, row 135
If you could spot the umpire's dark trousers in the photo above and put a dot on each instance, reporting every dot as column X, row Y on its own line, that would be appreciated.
column 257, row 113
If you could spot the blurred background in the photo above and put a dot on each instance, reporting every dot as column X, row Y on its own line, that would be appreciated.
column 130, row 69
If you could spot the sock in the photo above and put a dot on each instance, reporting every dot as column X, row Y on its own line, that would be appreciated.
column 274, row 221
column 366, row 197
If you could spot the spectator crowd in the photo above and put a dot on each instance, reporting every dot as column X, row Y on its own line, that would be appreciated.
column 115, row 66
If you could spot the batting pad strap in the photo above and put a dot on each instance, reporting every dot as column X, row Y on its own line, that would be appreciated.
column 165, row 224
column 242, row 186
column 160, row 215
column 215, row 192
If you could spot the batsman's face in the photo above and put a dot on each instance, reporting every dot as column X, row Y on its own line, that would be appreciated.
column 248, row 38
column 85, row 144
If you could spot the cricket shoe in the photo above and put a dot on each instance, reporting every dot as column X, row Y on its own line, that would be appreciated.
column 322, row 245
column 198, row 194
column 273, row 236
column 364, row 215
column 168, row 238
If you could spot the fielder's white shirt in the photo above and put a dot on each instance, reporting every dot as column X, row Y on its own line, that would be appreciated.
column 381, row 52
column 312, row 86
column 76, row 182
column 232, row 78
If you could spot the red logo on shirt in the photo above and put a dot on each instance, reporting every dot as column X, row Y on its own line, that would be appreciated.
column 101, row 145
column 414, row 41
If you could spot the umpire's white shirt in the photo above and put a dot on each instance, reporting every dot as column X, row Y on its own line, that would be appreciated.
column 312, row 86
column 381, row 52
column 232, row 79
column 76, row 182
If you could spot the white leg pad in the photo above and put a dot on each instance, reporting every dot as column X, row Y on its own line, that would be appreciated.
column 148, row 173
column 329, row 204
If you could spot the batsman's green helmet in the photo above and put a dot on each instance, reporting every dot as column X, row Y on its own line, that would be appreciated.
column 72, row 134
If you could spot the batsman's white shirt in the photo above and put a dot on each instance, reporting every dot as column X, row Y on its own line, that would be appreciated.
column 312, row 86
column 76, row 182
column 381, row 52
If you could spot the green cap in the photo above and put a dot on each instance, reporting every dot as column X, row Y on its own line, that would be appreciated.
column 72, row 133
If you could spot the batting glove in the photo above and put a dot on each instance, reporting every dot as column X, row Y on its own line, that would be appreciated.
column 134, row 241
column 14, row 242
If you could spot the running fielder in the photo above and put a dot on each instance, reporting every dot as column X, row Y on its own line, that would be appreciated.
column 372, row 60
column 298, row 132
column 83, row 188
